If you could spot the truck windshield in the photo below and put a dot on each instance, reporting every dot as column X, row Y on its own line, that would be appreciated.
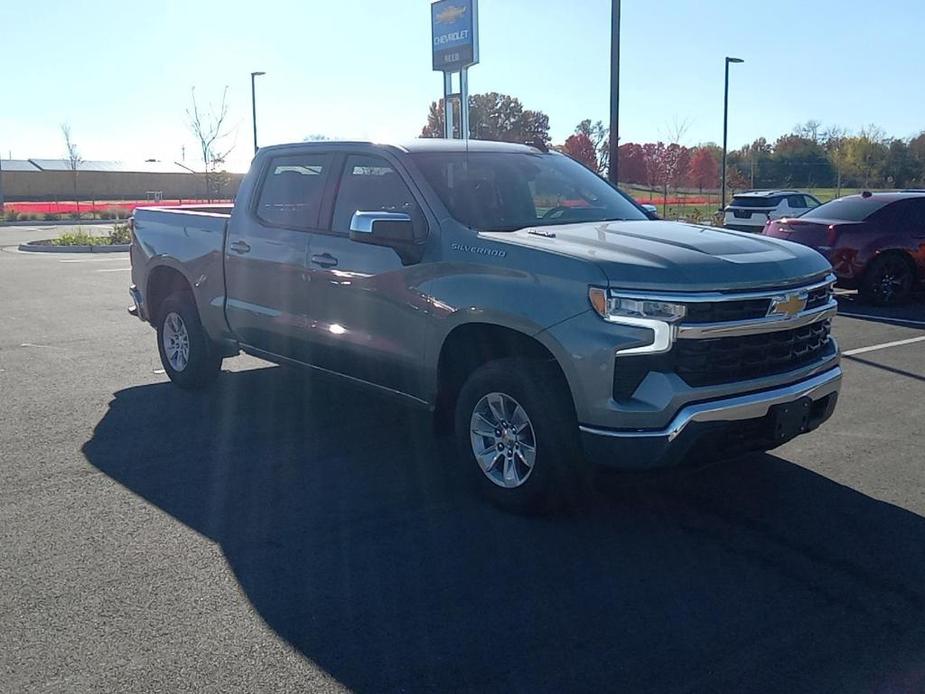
column 506, row 191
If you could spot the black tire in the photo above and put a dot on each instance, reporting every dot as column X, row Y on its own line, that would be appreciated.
column 888, row 280
column 558, row 476
column 204, row 361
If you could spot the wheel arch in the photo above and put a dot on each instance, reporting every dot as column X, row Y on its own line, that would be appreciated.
column 469, row 345
column 164, row 280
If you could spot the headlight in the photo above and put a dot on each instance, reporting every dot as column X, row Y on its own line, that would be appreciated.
column 613, row 307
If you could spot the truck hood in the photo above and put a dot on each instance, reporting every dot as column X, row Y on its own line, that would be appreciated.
column 674, row 256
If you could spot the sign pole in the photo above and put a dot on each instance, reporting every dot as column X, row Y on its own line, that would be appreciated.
column 464, row 103
column 447, row 105
column 455, row 48
column 613, row 154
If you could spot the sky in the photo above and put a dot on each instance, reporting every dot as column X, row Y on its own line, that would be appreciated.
column 121, row 72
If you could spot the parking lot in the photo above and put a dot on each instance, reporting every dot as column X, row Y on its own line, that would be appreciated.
column 285, row 533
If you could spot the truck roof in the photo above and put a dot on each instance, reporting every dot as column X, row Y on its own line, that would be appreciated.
column 423, row 144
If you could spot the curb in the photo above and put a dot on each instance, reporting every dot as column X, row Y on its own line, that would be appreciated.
column 43, row 247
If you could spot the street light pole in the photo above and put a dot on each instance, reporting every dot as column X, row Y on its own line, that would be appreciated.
column 254, row 106
column 613, row 173
column 726, row 126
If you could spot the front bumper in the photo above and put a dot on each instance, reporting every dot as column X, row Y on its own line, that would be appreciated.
column 717, row 428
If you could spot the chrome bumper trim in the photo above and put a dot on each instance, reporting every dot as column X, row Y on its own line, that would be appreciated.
column 757, row 326
column 712, row 297
column 734, row 409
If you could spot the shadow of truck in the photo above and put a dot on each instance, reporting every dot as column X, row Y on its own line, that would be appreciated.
column 349, row 531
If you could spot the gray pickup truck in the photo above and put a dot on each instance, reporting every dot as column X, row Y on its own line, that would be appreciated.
column 532, row 307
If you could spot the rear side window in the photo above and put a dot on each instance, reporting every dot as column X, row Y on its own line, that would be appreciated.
column 292, row 189
column 796, row 202
column 749, row 201
column 906, row 215
column 851, row 209
column 370, row 184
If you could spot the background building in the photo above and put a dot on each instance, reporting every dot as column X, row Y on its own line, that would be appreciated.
column 28, row 180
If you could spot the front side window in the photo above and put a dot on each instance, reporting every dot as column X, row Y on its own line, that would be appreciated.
column 292, row 189
column 505, row 191
column 368, row 184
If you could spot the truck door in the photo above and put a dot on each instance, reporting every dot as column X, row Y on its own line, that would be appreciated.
column 266, row 251
column 366, row 319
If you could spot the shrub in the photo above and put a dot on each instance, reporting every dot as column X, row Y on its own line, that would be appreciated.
column 81, row 238
column 73, row 215
column 120, row 234
column 107, row 214
column 11, row 216
column 51, row 217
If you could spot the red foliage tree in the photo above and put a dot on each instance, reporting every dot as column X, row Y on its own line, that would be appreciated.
column 704, row 170
column 632, row 163
column 581, row 148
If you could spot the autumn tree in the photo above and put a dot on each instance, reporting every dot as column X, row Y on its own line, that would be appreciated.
column 599, row 136
column 581, row 148
column 632, row 163
column 704, row 169
column 494, row 116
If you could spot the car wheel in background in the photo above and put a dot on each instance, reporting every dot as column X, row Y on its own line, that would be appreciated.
column 517, row 435
column 188, row 357
column 888, row 280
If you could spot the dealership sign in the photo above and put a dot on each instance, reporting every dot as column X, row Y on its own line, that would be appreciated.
column 455, row 28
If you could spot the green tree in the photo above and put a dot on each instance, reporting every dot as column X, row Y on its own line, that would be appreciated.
column 800, row 161
column 867, row 153
column 901, row 168
column 494, row 116
column 835, row 143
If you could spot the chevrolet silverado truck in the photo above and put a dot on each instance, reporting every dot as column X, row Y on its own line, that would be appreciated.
column 531, row 306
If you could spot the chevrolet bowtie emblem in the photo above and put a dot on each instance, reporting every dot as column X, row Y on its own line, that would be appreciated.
column 450, row 14
column 788, row 305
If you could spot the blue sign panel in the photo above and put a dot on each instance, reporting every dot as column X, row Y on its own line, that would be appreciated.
column 455, row 27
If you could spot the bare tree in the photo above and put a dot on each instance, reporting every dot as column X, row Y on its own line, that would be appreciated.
column 210, row 131
column 808, row 130
column 74, row 160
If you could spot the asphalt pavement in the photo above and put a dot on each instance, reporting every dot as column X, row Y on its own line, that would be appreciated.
column 284, row 533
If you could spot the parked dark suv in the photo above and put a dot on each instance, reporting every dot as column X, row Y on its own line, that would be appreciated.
column 875, row 241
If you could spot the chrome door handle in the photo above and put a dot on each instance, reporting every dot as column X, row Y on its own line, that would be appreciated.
column 324, row 260
column 240, row 247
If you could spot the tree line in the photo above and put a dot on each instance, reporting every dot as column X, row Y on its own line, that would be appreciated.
column 810, row 156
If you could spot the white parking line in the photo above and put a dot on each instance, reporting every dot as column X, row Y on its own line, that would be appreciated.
column 115, row 269
column 885, row 345
column 905, row 321
column 91, row 260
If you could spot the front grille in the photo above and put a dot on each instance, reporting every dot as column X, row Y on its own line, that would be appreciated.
column 746, row 309
column 722, row 311
column 730, row 359
column 819, row 296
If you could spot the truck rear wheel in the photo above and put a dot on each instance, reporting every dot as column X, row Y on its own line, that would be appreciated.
column 187, row 354
column 517, row 435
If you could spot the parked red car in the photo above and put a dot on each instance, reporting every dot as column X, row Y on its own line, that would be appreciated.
column 875, row 241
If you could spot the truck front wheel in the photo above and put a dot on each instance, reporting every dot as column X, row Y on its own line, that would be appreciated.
column 518, row 436
column 187, row 354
